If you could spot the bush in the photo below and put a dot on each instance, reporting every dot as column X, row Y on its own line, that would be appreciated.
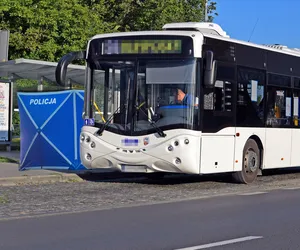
column 16, row 123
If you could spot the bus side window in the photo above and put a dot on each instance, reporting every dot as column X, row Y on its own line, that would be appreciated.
column 279, row 113
column 250, row 97
column 296, row 99
column 220, row 98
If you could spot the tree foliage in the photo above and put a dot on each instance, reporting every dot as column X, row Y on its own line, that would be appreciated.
column 132, row 15
column 47, row 29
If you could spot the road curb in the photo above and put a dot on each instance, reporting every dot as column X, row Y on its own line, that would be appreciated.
column 37, row 179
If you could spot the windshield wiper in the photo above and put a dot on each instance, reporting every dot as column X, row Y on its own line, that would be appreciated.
column 100, row 131
column 159, row 131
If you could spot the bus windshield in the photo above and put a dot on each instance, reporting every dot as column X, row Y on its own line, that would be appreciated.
column 144, row 96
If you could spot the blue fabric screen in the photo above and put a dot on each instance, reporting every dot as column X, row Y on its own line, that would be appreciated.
column 50, row 124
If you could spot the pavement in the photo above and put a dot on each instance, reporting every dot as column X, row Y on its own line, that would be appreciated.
column 10, row 174
column 244, row 221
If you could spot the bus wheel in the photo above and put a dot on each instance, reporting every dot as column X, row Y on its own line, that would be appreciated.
column 251, row 163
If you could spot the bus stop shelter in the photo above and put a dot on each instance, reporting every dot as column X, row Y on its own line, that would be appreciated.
column 40, row 71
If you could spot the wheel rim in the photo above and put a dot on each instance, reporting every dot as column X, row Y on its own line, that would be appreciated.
column 251, row 161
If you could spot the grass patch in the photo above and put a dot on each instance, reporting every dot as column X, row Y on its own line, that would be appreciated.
column 3, row 199
column 7, row 160
column 73, row 180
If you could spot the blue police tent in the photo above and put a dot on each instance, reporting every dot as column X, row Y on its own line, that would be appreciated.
column 50, row 124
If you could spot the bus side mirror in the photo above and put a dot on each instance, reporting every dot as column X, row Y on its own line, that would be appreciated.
column 62, row 65
column 209, row 71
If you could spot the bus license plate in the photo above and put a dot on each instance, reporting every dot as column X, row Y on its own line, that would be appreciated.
column 133, row 168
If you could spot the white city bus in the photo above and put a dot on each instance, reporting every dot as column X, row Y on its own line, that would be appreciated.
column 240, row 113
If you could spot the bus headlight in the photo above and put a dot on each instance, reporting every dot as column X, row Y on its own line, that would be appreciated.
column 82, row 137
column 170, row 148
column 87, row 139
column 93, row 144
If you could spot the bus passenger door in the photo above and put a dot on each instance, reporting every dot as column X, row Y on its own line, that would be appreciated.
column 250, row 110
column 218, row 122
column 279, row 123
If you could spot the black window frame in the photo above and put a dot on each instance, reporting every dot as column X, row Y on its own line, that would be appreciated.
column 257, row 122
column 214, row 120
column 279, row 87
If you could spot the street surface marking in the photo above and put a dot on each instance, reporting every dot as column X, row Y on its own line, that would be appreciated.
column 222, row 243
column 254, row 193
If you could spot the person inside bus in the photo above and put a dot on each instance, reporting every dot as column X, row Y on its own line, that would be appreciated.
column 184, row 98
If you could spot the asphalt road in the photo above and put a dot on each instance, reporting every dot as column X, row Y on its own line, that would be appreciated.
column 255, row 220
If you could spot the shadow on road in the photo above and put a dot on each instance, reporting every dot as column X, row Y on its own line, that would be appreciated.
column 175, row 179
column 156, row 179
column 270, row 172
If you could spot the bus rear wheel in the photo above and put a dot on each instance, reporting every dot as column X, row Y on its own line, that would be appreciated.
column 251, row 163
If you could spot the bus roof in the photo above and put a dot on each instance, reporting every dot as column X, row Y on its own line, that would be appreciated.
column 201, row 29
column 215, row 31
column 272, row 47
column 140, row 33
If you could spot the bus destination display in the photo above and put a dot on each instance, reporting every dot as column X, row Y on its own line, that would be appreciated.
column 125, row 46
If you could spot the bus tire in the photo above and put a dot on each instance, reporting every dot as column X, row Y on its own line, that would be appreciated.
column 251, row 163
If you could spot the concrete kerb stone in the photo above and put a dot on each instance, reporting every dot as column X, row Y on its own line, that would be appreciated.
column 39, row 179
